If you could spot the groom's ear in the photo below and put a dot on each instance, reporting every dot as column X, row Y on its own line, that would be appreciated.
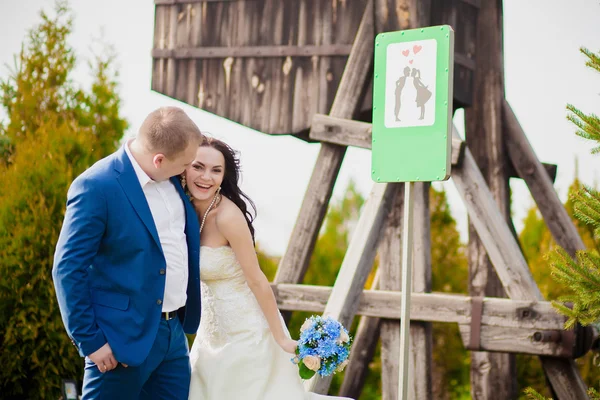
column 158, row 160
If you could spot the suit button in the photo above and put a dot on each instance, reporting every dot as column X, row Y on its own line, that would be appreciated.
column 159, row 302
column 162, row 271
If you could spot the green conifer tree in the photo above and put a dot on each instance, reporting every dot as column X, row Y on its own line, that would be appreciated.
column 582, row 274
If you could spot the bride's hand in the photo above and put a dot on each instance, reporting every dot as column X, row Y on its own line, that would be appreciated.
column 289, row 345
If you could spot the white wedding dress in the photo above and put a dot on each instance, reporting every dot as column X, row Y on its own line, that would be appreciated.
column 234, row 355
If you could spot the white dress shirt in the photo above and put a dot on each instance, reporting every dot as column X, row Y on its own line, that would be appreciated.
column 168, row 213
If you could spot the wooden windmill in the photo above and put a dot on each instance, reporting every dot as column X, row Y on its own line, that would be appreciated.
column 304, row 67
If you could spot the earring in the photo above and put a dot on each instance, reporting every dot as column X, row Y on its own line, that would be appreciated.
column 183, row 181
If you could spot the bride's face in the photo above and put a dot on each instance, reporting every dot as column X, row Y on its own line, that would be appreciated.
column 205, row 174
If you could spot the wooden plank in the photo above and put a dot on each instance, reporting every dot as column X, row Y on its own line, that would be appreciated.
column 501, row 246
column 514, row 340
column 522, row 319
column 390, row 261
column 346, row 132
column 195, row 20
column 294, row 262
column 364, row 346
column 392, row 15
column 532, row 171
column 431, row 307
column 275, row 70
column 465, row 61
column 171, row 2
column 551, row 170
column 483, row 126
column 474, row 3
column 172, row 13
column 421, row 359
column 300, row 76
column 357, row 264
column 324, row 96
column 506, row 256
column 463, row 17
column 182, row 38
column 158, row 67
column 564, row 378
column 254, row 51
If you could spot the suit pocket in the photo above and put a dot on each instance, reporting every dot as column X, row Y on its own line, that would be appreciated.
column 115, row 300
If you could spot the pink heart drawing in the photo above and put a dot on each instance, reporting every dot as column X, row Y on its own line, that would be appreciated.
column 417, row 48
column 410, row 61
column 405, row 53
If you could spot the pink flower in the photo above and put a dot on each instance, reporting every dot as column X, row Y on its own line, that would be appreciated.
column 312, row 362
column 341, row 367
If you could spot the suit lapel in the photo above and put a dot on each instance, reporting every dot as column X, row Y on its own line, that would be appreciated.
column 133, row 190
column 192, row 228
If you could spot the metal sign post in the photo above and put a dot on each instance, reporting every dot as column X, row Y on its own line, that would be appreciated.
column 412, row 132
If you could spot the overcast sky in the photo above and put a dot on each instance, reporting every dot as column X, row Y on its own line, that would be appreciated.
column 543, row 72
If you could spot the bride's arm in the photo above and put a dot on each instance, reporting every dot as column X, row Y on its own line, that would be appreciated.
column 232, row 224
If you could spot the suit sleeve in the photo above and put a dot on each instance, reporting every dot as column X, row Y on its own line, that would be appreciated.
column 78, row 244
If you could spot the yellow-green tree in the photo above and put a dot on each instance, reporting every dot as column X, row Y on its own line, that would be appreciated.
column 54, row 130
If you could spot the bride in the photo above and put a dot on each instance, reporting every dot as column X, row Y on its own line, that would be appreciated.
column 242, row 349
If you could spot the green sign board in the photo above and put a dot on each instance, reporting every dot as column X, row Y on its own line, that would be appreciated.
column 412, row 105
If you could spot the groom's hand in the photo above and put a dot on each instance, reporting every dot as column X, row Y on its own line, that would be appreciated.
column 104, row 358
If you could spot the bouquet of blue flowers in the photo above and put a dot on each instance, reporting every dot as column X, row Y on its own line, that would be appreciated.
column 323, row 348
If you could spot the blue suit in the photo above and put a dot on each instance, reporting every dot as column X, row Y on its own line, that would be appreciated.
column 109, row 269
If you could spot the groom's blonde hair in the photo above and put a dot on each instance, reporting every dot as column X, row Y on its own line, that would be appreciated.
column 168, row 130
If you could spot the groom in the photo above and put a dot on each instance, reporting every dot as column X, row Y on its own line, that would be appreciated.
column 126, row 264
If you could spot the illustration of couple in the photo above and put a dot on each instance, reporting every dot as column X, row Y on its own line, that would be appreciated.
column 132, row 277
column 423, row 93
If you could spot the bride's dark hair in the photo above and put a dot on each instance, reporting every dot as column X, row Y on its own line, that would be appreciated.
column 230, row 185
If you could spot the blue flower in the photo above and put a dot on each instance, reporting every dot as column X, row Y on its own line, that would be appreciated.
column 319, row 337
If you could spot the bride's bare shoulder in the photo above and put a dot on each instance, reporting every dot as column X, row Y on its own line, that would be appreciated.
column 229, row 213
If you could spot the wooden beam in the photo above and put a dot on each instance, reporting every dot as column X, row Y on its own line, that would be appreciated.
column 371, row 328
column 564, row 378
column 357, row 264
column 347, row 132
column 493, row 376
column 294, row 262
column 253, row 51
column 172, row 41
column 532, row 171
column 421, row 341
column 497, row 239
column 551, row 170
column 465, row 61
column 515, row 340
column 430, row 307
column 173, row 2
column 390, row 262
column 506, row 256
column 364, row 346
column 563, row 374
column 522, row 319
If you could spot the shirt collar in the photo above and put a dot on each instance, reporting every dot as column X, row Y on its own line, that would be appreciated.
column 141, row 175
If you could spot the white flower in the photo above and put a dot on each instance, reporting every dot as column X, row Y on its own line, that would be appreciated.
column 307, row 324
column 343, row 338
column 341, row 367
column 312, row 362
